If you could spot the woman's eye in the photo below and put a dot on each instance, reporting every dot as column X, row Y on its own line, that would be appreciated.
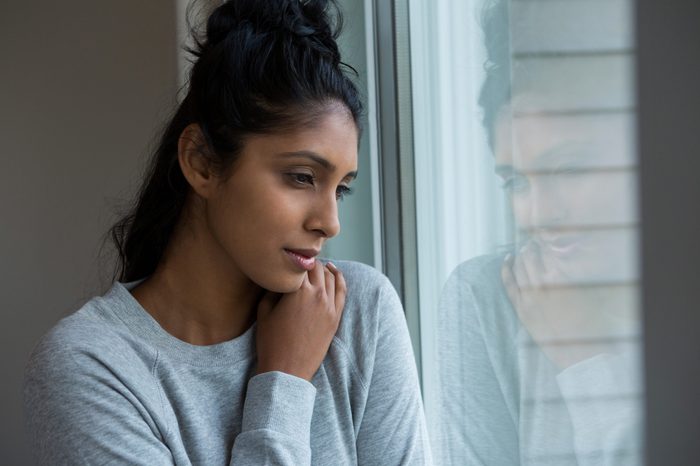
column 342, row 191
column 302, row 178
column 515, row 184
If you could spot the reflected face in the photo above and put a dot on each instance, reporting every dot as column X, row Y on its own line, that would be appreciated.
column 540, row 172
column 565, row 185
column 279, row 205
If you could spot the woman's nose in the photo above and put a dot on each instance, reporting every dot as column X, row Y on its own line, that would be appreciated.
column 323, row 217
column 547, row 205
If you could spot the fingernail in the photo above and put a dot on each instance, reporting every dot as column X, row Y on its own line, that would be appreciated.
column 331, row 265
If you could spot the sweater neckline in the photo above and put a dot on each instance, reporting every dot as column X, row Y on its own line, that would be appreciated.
column 140, row 323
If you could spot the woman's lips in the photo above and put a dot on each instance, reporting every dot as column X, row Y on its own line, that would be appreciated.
column 302, row 258
column 561, row 244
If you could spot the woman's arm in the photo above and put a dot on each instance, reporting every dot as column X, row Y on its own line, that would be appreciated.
column 393, row 429
column 293, row 336
column 276, row 421
column 602, row 395
column 474, row 422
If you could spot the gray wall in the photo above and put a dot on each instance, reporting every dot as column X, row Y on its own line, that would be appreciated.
column 84, row 85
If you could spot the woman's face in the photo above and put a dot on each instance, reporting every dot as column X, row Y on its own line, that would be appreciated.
column 279, row 205
column 569, row 190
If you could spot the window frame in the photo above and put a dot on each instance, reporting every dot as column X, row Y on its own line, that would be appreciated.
column 668, row 73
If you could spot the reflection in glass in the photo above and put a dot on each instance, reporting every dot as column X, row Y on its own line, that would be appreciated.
column 538, row 341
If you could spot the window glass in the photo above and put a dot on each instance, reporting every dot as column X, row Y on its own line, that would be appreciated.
column 526, row 208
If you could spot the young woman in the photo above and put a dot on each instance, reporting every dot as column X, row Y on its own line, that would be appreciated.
column 225, row 340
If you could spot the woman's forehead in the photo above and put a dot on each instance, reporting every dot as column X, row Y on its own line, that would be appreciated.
column 331, row 143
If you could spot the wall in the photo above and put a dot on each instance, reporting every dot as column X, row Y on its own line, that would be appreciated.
column 83, row 87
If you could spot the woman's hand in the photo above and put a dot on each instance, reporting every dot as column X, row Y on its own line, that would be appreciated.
column 294, row 331
column 568, row 320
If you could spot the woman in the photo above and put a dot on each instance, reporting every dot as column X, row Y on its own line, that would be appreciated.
column 226, row 341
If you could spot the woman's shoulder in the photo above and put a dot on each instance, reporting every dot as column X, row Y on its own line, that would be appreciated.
column 474, row 301
column 480, row 271
column 476, row 281
column 87, row 344
column 360, row 275
column 373, row 314
column 369, row 292
column 80, row 330
column 85, row 382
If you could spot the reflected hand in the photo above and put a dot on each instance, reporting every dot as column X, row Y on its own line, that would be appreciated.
column 568, row 321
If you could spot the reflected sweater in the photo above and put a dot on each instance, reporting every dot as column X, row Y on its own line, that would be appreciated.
column 108, row 385
column 502, row 402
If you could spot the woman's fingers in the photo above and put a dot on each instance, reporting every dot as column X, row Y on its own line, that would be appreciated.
column 340, row 287
column 316, row 275
column 296, row 335
column 329, row 282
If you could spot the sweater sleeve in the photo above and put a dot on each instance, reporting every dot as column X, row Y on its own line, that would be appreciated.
column 393, row 429
column 276, row 426
column 602, row 395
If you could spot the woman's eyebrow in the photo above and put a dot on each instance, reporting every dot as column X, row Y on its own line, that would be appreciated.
column 317, row 158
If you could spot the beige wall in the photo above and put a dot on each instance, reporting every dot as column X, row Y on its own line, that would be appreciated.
column 84, row 85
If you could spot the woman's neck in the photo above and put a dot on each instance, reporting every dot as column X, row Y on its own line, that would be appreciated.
column 195, row 294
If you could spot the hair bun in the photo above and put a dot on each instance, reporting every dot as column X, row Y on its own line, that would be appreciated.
column 306, row 21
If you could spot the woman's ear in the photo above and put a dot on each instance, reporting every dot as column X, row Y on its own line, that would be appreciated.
column 194, row 161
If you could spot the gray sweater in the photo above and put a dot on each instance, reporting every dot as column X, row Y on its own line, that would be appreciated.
column 107, row 385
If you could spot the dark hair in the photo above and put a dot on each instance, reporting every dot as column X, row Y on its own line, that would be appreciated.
column 496, row 89
column 264, row 66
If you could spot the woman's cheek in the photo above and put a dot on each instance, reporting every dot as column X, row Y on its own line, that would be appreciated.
column 521, row 209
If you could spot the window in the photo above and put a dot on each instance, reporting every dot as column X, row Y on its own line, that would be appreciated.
column 526, row 227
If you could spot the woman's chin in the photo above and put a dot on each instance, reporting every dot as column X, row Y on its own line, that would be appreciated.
column 284, row 284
